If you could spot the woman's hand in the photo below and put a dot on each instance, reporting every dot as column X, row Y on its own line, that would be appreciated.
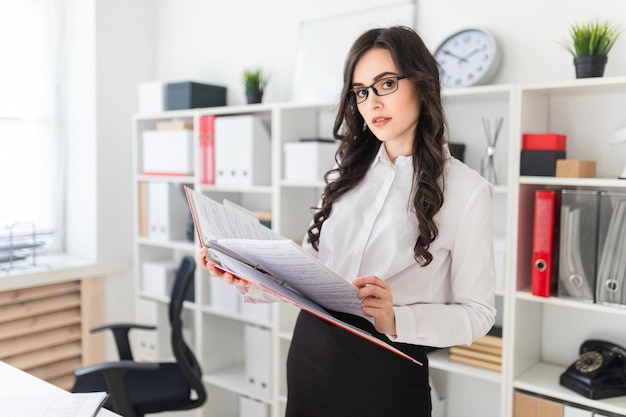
column 377, row 302
column 204, row 262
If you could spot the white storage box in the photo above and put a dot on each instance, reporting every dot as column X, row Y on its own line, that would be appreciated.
column 151, row 345
column 157, row 277
column 223, row 297
column 168, row 152
column 257, row 357
column 309, row 160
column 152, row 96
column 252, row 408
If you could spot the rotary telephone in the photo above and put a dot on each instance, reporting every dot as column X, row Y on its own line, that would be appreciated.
column 599, row 372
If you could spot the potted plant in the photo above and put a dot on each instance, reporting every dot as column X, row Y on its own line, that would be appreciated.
column 590, row 44
column 254, row 82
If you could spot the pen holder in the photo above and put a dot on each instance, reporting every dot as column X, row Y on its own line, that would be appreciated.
column 487, row 165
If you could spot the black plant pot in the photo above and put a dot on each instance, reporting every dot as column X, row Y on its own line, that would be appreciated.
column 254, row 96
column 590, row 66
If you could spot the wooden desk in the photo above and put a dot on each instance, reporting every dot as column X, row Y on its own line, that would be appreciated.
column 15, row 382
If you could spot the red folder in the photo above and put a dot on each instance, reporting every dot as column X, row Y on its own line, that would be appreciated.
column 545, row 243
column 207, row 149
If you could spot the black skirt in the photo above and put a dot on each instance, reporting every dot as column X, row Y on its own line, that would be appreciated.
column 334, row 373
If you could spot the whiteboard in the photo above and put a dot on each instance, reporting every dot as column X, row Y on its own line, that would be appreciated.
column 324, row 43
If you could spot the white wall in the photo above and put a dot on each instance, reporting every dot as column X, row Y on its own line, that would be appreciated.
column 530, row 32
column 213, row 41
column 109, row 51
column 118, row 44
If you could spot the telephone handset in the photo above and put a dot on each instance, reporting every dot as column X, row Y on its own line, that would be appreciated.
column 599, row 372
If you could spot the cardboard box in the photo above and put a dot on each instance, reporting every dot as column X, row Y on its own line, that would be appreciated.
column 540, row 163
column 309, row 160
column 167, row 152
column 544, row 142
column 575, row 168
column 191, row 95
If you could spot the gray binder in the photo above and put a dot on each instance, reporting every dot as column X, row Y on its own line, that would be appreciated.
column 578, row 244
column 612, row 249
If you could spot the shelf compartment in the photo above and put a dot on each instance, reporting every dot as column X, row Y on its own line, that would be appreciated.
column 543, row 379
column 438, row 359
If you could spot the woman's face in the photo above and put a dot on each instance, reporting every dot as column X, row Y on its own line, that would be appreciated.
column 392, row 118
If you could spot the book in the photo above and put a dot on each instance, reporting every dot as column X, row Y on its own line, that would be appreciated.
column 249, row 250
column 484, row 352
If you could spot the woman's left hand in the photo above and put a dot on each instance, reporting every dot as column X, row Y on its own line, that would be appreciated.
column 377, row 302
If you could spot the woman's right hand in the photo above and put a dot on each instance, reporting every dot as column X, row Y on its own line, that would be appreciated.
column 205, row 262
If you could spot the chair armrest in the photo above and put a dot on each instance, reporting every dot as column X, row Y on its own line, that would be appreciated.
column 105, row 367
column 116, row 326
column 120, row 333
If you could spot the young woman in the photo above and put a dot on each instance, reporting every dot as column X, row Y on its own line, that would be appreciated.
column 407, row 224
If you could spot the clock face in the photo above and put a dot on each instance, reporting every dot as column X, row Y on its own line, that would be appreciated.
column 466, row 58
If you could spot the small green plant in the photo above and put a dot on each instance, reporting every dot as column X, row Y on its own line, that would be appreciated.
column 592, row 38
column 254, row 80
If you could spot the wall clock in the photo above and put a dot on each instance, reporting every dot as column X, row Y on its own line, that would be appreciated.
column 468, row 57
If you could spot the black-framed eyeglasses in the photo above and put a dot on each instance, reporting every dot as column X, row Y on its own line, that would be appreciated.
column 383, row 87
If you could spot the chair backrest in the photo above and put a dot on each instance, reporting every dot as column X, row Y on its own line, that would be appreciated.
column 185, row 358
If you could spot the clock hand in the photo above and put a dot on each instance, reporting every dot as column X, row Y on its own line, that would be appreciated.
column 460, row 58
column 474, row 52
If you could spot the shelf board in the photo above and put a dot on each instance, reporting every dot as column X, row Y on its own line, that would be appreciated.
column 236, row 316
column 232, row 379
column 177, row 179
column 571, row 303
column 175, row 244
column 438, row 359
column 251, row 189
column 169, row 114
column 580, row 85
column 286, row 336
column 495, row 91
column 574, row 182
column 303, row 184
column 543, row 379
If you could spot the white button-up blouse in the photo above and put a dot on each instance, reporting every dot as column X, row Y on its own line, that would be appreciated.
column 372, row 230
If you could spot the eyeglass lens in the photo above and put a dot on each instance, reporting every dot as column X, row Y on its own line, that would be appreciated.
column 380, row 88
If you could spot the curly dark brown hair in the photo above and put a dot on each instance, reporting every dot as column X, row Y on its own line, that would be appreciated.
column 359, row 146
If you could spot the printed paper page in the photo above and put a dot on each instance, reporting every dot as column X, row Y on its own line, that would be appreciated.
column 216, row 221
column 46, row 405
column 286, row 261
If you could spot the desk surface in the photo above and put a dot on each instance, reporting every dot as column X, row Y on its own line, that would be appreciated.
column 15, row 382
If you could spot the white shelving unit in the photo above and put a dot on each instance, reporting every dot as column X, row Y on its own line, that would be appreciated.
column 541, row 336
column 547, row 332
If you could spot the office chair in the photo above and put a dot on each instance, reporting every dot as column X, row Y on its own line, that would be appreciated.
column 139, row 388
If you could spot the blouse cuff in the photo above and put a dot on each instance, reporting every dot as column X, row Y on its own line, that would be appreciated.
column 405, row 325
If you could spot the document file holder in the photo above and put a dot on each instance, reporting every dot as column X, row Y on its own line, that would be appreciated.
column 578, row 244
column 611, row 250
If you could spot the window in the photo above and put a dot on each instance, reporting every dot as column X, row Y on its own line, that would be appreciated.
column 30, row 146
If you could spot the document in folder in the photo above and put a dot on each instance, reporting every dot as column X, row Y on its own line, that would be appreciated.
column 246, row 248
